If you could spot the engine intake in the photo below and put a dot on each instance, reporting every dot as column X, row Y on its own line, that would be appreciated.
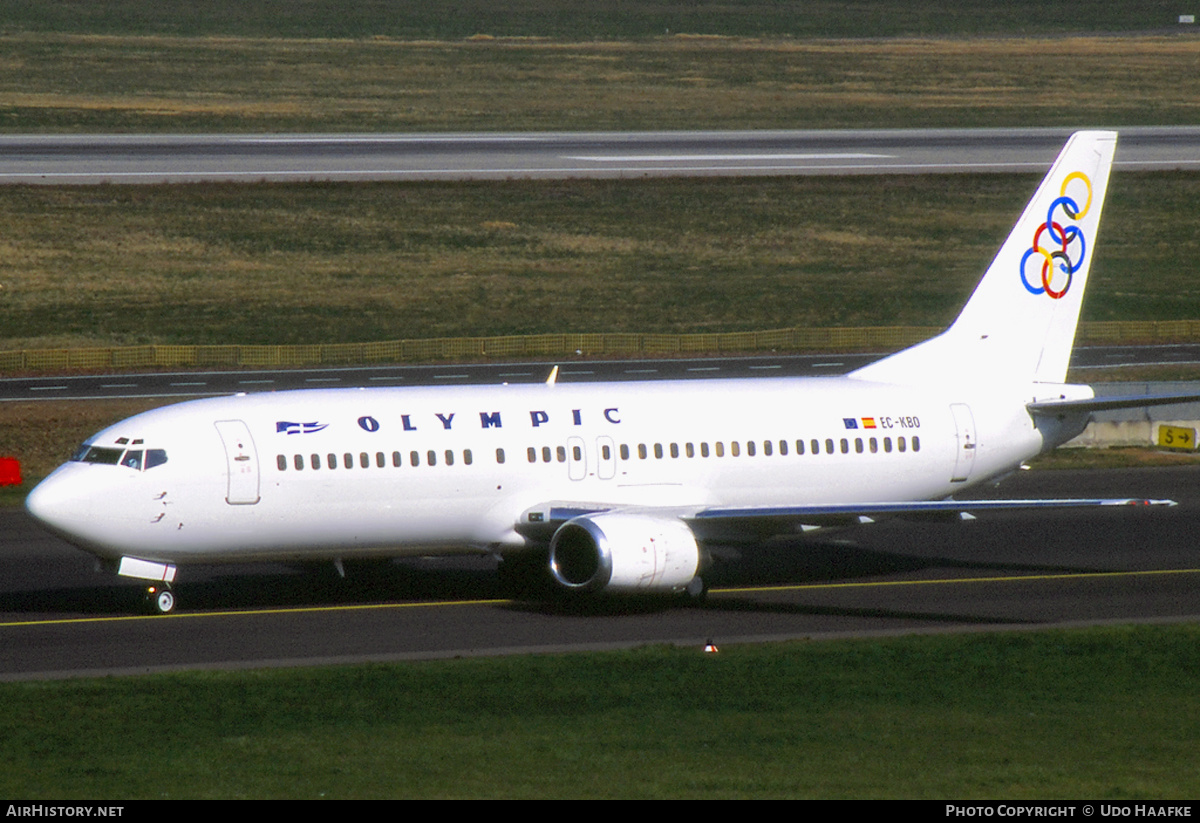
column 624, row 553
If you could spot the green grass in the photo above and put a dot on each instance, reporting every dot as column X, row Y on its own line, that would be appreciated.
column 327, row 263
column 593, row 19
column 1100, row 713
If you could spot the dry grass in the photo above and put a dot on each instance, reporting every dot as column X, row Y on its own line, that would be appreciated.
column 381, row 84
column 361, row 262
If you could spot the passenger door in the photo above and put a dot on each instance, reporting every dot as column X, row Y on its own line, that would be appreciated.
column 241, row 460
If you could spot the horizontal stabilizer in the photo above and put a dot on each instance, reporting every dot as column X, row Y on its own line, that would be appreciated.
column 1092, row 404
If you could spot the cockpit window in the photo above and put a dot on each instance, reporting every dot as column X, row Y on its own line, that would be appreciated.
column 103, row 456
column 136, row 459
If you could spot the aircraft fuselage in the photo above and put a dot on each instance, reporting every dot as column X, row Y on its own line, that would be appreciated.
column 343, row 473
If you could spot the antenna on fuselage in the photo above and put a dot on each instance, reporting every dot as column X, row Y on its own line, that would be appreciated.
column 553, row 378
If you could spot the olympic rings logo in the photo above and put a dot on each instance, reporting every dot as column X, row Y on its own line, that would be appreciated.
column 1066, row 247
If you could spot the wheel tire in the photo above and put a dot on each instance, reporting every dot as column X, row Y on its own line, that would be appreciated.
column 161, row 600
column 696, row 592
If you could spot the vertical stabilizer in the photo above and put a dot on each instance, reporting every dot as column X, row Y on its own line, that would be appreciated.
column 1019, row 325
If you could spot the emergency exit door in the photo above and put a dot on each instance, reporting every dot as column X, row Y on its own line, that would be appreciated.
column 964, row 458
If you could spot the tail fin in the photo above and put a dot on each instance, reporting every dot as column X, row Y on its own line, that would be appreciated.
column 1019, row 325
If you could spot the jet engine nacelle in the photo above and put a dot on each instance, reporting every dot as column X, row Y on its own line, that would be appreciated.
column 624, row 553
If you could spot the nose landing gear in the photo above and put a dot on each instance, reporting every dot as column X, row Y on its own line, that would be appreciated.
column 160, row 599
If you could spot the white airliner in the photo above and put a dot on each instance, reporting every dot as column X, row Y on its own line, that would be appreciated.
column 619, row 487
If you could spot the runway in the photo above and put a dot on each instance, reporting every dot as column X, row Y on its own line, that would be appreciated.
column 59, row 618
column 91, row 159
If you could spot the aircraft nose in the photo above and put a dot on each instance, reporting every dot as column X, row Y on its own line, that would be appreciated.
column 58, row 504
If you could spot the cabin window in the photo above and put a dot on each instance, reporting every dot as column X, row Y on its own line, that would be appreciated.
column 874, row 445
column 799, row 447
column 704, row 449
column 576, row 453
column 845, row 446
column 783, row 447
column 658, row 450
column 916, row 443
column 380, row 459
column 499, row 455
column 624, row 451
column 348, row 460
column 829, row 445
column 467, row 457
column 858, row 445
column 606, row 452
column 281, row 462
column 719, row 449
column 887, row 445
column 751, row 449
column 689, row 450
column 900, row 444
column 298, row 462
column 315, row 461
column 397, row 459
column 674, row 449
column 545, row 454
column 641, row 451
column 735, row 449
column 561, row 453
column 449, row 457
column 431, row 458
column 414, row 458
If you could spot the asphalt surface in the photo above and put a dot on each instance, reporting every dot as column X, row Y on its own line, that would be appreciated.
column 1012, row 571
column 89, row 159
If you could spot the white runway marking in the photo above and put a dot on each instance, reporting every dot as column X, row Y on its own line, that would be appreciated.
column 718, row 158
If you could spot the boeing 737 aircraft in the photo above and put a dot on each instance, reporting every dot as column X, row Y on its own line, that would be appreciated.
column 616, row 487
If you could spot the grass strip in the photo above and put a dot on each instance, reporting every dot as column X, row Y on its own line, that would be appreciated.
column 595, row 19
column 1099, row 713
column 346, row 262
column 52, row 82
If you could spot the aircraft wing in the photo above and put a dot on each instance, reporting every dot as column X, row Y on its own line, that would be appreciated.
column 723, row 524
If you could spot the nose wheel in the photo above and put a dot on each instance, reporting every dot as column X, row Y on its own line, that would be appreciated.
column 160, row 599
